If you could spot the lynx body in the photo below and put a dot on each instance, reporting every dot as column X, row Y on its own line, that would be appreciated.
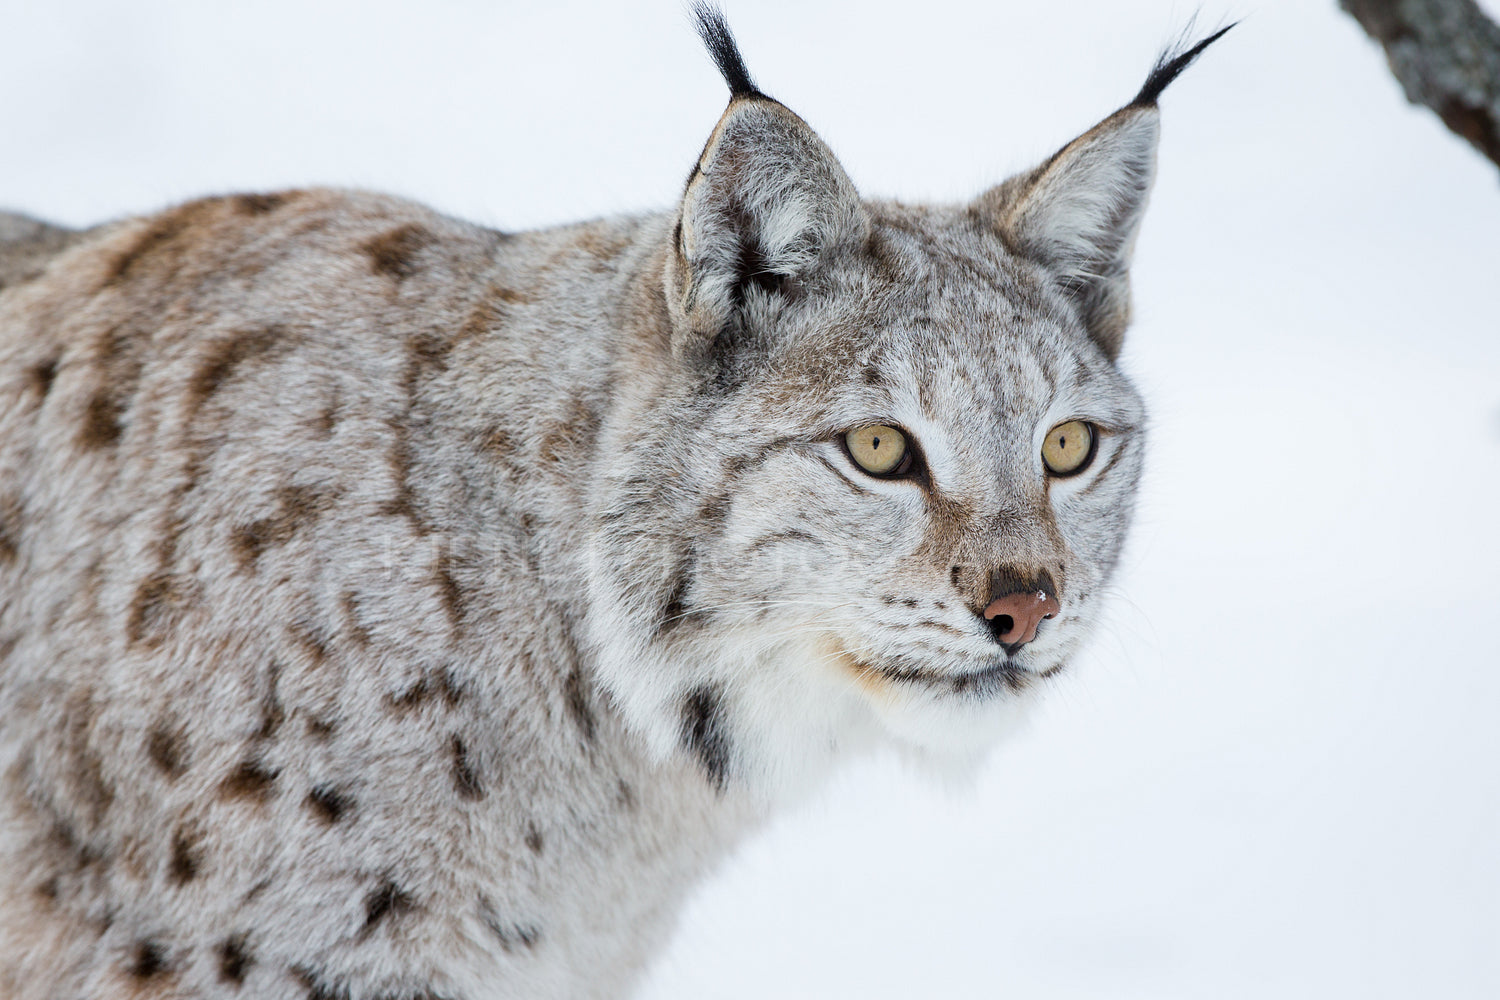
column 396, row 608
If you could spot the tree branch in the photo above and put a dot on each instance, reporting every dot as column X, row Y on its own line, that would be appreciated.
column 1446, row 55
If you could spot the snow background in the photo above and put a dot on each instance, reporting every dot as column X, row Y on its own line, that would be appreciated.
column 1277, row 771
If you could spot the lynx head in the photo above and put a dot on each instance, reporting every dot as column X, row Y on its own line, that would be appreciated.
column 884, row 464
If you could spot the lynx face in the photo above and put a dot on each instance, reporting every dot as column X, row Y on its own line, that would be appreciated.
column 814, row 586
column 760, row 592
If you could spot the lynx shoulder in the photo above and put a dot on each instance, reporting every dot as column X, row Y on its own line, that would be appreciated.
column 394, row 607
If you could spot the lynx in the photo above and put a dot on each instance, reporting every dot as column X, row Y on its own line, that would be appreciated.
column 395, row 608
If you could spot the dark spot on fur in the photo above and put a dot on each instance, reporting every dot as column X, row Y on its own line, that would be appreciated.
column 426, row 350
column 534, row 838
column 387, row 901
column 234, row 959
column 301, row 505
column 49, row 890
column 250, row 540
column 394, row 253
column 117, row 364
column 87, row 767
column 256, row 891
column 465, row 778
column 319, row 988
column 186, row 858
column 252, row 780
column 578, row 704
column 704, row 735
column 11, row 518
column 910, row 602
column 354, row 625
column 485, row 317
column 157, row 238
column 320, row 729
column 404, row 503
column 101, row 421
column 147, row 959
column 625, row 795
column 154, row 610
column 169, row 531
column 297, row 507
column 490, row 313
column 569, row 439
column 433, row 685
column 449, row 591
column 329, row 804
column 258, row 204
column 167, row 748
column 712, row 514
column 64, row 841
column 225, row 356
column 310, row 640
column 510, row 935
column 327, row 419
column 272, row 714
column 498, row 443
column 42, row 376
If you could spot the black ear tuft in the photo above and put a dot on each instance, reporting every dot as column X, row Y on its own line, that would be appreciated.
column 1171, row 63
column 714, row 31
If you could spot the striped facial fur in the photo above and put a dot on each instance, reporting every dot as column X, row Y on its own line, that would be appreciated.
column 395, row 607
column 755, row 564
column 759, row 595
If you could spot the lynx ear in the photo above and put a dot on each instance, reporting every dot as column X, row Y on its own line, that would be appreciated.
column 1078, row 213
column 765, row 201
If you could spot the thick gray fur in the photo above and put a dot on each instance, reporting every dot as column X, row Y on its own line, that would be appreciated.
column 395, row 608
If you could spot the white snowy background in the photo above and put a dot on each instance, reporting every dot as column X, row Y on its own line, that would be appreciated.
column 1277, row 771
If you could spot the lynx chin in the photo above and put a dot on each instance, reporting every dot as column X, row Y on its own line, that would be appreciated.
column 395, row 608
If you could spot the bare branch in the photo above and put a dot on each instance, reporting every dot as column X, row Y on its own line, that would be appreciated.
column 1446, row 55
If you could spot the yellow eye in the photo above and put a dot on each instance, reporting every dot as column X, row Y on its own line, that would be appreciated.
column 878, row 449
column 1068, row 448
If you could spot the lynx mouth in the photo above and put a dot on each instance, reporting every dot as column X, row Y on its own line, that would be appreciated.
column 1002, row 675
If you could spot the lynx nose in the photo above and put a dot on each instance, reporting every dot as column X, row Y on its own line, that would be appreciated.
column 1013, row 617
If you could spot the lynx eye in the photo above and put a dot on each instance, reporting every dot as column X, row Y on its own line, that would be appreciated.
column 878, row 449
column 1069, row 448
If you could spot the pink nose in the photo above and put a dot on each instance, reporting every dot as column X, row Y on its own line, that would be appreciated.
column 1024, row 610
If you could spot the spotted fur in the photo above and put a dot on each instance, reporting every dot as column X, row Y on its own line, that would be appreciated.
column 393, row 607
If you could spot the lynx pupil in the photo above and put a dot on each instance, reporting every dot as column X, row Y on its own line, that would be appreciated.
column 877, row 449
